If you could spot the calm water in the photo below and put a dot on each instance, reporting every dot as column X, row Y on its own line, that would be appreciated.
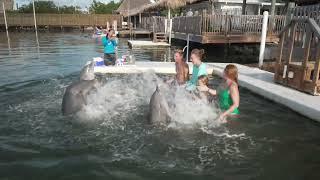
column 269, row 141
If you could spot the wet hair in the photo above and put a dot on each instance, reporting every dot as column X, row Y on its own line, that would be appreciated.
column 111, row 31
column 198, row 52
column 231, row 71
column 179, row 51
column 204, row 79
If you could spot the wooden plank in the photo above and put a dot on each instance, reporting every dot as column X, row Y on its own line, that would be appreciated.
column 292, row 36
column 316, row 67
column 306, row 57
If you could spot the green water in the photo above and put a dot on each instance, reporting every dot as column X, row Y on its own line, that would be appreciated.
column 268, row 141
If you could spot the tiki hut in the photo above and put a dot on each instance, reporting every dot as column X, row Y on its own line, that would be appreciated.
column 134, row 7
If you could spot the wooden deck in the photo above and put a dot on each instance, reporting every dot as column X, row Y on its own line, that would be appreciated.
column 60, row 20
column 217, row 29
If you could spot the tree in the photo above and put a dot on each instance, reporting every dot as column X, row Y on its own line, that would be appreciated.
column 49, row 7
column 69, row 10
column 40, row 7
column 101, row 8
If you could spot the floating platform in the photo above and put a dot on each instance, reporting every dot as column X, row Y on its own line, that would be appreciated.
column 135, row 33
column 256, row 80
column 137, row 44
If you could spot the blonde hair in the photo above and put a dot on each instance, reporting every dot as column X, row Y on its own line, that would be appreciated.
column 198, row 52
column 204, row 79
column 231, row 71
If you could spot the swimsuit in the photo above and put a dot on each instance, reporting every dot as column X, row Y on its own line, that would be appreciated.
column 225, row 100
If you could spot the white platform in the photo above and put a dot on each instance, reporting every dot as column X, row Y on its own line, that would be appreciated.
column 256, row 80
column 135, row 44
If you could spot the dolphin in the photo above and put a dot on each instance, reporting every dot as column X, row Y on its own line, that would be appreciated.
column 75, row 96
column 159, row 109
column 87, row 72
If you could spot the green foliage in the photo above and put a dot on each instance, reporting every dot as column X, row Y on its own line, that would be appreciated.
column 48, row 7
column 40, row 7
column 101, row 8
column 69, row 10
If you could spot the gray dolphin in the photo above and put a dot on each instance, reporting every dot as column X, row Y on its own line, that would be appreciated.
column 75, row 96
column 159, row 109
column 87, row 73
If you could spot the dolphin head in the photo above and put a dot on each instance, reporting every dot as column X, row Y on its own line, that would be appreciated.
column 87, row 73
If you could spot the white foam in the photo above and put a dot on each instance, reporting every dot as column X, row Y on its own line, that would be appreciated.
column 122, row 97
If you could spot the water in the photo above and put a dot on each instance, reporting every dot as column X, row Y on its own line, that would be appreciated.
column 113, row 140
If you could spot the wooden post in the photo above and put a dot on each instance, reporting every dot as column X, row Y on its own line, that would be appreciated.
column 35, row 22
column 292, row 38
column 279, row 60
column 316, row 69
column 6, row 24
column 263, row 37
column 306, row 56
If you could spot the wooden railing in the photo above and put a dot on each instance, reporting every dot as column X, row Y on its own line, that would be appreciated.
column 226, row 24
column 311, row 11
column 155, row 23
column 298, row 65
column 60, row 19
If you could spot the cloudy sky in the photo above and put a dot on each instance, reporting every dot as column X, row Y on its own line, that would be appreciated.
column 81, row 3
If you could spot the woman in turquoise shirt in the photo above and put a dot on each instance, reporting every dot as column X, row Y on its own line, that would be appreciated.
column 110, row 44
column 199, row 68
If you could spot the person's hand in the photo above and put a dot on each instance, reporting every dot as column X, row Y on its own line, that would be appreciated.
column 223, row 118
column 203, row 88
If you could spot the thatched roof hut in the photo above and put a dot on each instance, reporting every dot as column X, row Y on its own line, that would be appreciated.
column 133, row 7
column 173, row 4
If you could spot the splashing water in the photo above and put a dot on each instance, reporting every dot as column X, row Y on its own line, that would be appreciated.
column 122, row 97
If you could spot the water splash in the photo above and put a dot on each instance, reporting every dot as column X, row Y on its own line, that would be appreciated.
column 126, row 95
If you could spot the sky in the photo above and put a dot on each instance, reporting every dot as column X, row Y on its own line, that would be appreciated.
column 82, row 3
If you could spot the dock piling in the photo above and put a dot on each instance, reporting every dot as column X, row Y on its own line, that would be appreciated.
column 6, row 24
column 35, row 23
column 263, row 37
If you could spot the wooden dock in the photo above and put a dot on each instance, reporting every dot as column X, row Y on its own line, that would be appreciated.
column 256, row 80
column 140, row 44
column 219, row 29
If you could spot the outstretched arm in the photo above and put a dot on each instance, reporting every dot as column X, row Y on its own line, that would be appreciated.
column 213, row 92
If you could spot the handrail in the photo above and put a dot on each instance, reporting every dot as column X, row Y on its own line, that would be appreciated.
column 315, row 27
column 313, row 24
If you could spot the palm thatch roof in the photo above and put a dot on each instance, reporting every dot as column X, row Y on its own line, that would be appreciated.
column 172, row 4
column 133, row 7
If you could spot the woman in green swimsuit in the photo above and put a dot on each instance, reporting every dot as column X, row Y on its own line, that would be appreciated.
column 228, row 93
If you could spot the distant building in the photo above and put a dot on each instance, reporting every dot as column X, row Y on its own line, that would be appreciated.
column 254, row 7
column 8, row 5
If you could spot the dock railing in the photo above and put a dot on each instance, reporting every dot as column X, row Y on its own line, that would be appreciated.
column 311, row 11
column 225, row 25
column 155, row 24
column 60, row 19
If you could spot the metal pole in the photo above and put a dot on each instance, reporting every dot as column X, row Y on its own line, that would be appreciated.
column 5, row 21
column 188, row 41
column 170, row 31
column 263, row 37
column 35, row 22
